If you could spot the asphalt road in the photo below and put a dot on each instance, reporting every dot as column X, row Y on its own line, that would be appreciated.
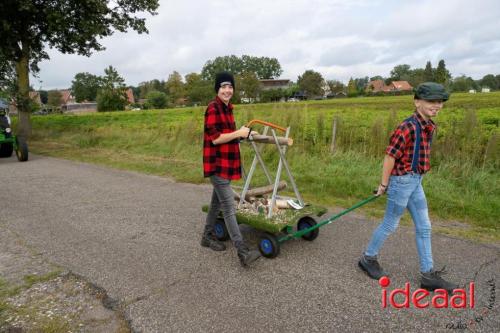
column 137, row 236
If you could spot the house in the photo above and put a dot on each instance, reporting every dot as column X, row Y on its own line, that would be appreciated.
column 35, row 97
column 130, row 96
column 375, row 86
column 472, row 91
column 268, row 84
column 67, row 97
column 400, row 86
column 485, row 90
column 379, row 86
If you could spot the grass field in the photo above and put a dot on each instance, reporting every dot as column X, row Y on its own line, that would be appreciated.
column 462, row 188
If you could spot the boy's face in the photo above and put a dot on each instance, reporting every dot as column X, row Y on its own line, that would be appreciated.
column 225, row 93
column 428, row 108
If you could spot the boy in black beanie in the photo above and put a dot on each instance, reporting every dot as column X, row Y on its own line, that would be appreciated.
column 221, row 162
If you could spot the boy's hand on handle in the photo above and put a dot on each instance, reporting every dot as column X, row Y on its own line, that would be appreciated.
column 381, row 189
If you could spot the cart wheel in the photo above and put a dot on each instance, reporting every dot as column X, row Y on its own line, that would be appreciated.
column 22, row 149
column 221, row 232
column 307, row 222
column 269, row 246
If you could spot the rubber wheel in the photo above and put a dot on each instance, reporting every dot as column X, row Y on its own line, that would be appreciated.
column 6, row 149
column 22, row 149
column 269, row 246
column 307, row 222
column 220, row 229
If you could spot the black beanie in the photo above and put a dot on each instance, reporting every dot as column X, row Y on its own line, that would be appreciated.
column 221, row 78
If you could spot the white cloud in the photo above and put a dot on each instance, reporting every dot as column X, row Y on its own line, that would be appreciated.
column 339, row 39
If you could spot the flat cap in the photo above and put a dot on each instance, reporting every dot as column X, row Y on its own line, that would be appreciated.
column 431, row 91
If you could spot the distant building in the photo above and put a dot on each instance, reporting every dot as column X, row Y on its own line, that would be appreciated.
column 268, row 84
column 472, row 91
column 378, row 86
column 130, row 96
column 375, row 86
column 485, row 90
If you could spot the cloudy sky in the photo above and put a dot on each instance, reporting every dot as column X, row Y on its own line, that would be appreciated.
column 338, row 38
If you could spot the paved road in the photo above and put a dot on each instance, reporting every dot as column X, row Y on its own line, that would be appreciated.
column 137, row 236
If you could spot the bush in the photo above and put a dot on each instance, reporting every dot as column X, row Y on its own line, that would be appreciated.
column 111, row 100
column 156, row 100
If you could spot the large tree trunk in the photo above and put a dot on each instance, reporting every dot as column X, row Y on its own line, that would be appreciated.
column 23, row 98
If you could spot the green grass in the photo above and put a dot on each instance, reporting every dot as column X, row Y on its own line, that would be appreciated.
column 463, row 185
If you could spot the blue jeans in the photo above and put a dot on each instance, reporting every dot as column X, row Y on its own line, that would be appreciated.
column 405, row 192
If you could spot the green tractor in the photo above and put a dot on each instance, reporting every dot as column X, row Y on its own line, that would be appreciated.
column 8, row 141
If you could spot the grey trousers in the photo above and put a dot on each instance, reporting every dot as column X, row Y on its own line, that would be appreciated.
column 223, row 199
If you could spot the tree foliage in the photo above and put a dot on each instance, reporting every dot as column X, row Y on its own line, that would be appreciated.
column 85, row 87
column 175, row 87
column 311, row 83
column 27, row 27
column 263, row 67
column 442, row 75
column 157, row 100
column 248, row 85
column 111, row 96
column 153, row 85
column 54, row 98
column 198, row 91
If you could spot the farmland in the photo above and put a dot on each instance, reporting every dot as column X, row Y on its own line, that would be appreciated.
column 462, row 187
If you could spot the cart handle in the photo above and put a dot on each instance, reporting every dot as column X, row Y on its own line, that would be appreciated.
column 265, row 123
column 328, row 221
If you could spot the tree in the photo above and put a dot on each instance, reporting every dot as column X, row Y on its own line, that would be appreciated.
column 442, row 75
column 352, row 90
column 54, row 98
column 417, row 76
column 463, row 83
column 175, row 87
column 335, row 86
column 8, row 81
column 263, row 67
column 377, row 77
column 85, row 86
column 198, row 91
column 489, row 81
column 428, row 72
column 111, row 96
column 44, row 96
column 70, row 26
column 248, row 85
column 400, row 73
column 153, row 85
column 361, row 84
column 311, row 83
column 157, row 100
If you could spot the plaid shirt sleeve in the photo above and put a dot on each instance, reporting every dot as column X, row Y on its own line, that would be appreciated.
column 211, row 123
column 397, row 142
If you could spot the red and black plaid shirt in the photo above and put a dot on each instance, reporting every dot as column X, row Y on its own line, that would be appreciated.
column 402, row 142
column 223, row 159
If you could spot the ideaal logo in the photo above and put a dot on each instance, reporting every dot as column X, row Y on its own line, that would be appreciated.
column 420, row 298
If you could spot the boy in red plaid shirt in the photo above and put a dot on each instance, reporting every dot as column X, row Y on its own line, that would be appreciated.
column 221, row 162
column 407, row 159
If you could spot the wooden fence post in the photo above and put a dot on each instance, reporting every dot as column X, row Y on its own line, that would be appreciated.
column 334, row 134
